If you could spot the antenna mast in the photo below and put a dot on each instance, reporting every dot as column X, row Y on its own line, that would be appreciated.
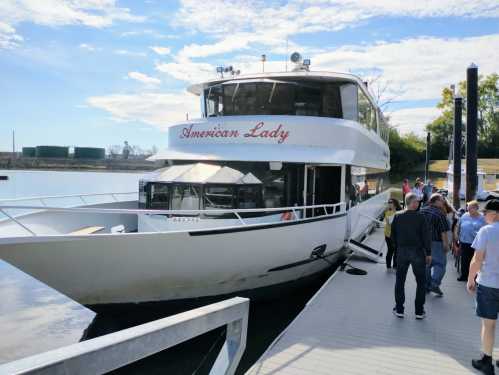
column 286, row 59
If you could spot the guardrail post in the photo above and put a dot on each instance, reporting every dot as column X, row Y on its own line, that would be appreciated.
column 18, row 222
column 233, row 348
column 240, row 218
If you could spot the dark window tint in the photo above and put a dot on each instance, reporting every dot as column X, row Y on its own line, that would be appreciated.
column 274, row 98
column 249, row 196
column 159, row 196
column 218, row 197
column 185, row 197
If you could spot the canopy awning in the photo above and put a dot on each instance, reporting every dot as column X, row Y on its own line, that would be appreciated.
column 201, row 173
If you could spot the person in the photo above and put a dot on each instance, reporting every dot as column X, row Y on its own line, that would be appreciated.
column 484, row 279
column 439, row 243
column 465, row 232
column 126, row 150
column 418, row 190
column 427, row 191
column 364, row 192
column 411, row 237
column 391, row 253
column 406, row 189
column 451, row 215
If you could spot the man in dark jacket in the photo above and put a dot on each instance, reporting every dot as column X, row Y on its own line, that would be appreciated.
column 412, row 238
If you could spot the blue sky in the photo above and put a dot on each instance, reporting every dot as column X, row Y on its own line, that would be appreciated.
column 97, row 72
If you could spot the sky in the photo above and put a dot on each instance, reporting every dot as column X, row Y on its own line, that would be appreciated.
column 98, row 72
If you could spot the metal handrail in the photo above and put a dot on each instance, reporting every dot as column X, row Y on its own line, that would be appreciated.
column 337, row 208
column 112, row 351
column 63, row 196
column 173, row 212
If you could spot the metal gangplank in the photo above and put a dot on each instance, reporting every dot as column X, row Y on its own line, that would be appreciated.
column 115, row 350
column 348, row 328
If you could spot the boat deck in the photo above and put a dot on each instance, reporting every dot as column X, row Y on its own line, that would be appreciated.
column 349, row 328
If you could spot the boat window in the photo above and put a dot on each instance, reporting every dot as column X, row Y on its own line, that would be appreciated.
column 218, row 197
column 367, row 183
column 214, row 101
column 185, row 197
column 273, row 191
column 367, row 113
column 249, row 196
column 298, row 98
column 142, row 194
column 159, row 196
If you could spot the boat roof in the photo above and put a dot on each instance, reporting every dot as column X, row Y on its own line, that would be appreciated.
column 201, row 173
column 198, row 88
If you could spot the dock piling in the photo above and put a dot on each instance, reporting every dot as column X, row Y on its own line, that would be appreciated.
column 457, row 143
column 471, row 131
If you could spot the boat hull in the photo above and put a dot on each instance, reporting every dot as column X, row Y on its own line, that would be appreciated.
column 146, row 267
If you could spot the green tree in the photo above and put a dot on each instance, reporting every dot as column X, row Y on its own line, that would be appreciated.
column 488, row 119
column 406, row 151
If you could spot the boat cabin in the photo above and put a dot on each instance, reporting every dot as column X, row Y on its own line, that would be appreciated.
column 199, row 186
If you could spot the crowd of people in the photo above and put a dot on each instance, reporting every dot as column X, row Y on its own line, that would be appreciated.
column 425, row 233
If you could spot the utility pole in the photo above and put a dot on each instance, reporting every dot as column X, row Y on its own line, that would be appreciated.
column 471, row 131
column 427, row 163
column 458, row 126
column 13, row 144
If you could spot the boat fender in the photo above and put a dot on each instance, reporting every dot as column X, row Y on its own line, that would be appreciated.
column 286, row 216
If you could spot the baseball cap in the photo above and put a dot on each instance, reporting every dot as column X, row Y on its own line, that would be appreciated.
column 492, row 205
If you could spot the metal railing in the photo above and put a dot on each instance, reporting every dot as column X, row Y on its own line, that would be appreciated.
column 80, row 197
column 323, row 209
column 115, row 350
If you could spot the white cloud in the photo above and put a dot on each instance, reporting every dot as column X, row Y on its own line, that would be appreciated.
column 270, row 23
column 160, row 50
column 186, row 70
column 413, row 119
column 144, row 78
column 87, row 47
column 91, row 13
column 419, row 67
column 125, row 52
column 415, row 69
column 8, row 36
column 160, row 110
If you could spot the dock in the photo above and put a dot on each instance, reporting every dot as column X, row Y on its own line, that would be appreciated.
column 348, row 328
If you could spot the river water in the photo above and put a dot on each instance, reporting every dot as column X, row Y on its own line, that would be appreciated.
column 35, row 318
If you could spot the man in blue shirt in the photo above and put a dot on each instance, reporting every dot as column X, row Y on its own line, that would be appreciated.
column 466, row 230
column 439, row 226
column 484, row 279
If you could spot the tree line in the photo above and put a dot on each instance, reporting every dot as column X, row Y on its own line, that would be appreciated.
column 408, row 151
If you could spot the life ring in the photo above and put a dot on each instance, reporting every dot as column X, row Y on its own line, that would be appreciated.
column 286, row 216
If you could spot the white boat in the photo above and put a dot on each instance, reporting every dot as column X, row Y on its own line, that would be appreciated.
column 263, row 191
column 482, row 178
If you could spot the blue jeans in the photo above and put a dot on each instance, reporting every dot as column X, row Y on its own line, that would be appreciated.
column 438, row 264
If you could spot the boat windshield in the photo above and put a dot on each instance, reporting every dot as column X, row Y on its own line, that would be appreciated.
column 268, row 97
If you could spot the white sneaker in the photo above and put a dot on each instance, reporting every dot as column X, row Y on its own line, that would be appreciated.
column 398, row 314
column 421, row 316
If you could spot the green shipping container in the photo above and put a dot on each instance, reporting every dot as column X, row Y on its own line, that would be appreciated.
column 29, row 152
column 52, row 152
column 89, row 153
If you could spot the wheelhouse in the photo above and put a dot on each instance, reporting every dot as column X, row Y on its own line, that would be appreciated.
column 293, row 96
